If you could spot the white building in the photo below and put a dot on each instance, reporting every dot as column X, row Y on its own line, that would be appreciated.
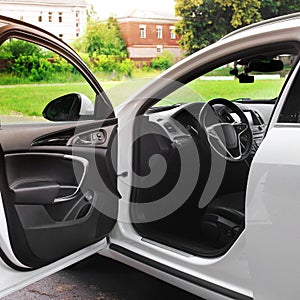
column 64, row 18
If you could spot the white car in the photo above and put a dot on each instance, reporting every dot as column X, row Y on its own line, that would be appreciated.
column 178, row 181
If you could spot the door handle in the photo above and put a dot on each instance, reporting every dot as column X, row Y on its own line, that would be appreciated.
column 78, row 140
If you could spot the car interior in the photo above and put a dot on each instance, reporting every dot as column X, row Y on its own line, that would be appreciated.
column 226, row 133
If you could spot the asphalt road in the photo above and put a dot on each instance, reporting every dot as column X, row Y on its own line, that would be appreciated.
column 100, row 278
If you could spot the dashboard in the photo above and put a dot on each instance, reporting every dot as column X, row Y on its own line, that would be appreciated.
column 180, row 121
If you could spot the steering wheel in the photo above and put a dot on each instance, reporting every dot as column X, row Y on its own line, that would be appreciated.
column 231, row 137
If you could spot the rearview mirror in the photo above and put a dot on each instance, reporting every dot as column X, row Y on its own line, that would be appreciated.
column 265, row 65
column 70, row 107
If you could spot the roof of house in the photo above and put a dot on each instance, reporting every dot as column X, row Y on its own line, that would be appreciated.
column 140, row 14
column 48, row 2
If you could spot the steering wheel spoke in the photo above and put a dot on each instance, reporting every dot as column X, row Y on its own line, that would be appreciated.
column 233, row 141
column 240, row 128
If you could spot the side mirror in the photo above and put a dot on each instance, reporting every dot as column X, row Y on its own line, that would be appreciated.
column 70, row 107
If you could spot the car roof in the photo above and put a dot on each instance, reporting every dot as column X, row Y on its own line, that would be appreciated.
column 285, row 21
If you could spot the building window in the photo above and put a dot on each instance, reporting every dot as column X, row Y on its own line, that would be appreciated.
column 172, row 33
column 60, row 17
column 77, row 25
column 60, row 35
column 159, row 33
column 50, row 17
column 142, row 31
column 159, row 49
column 40, row 18
column 77, row 34
column 77, row 13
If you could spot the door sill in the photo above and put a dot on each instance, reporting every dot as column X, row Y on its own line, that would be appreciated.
column 165, row 247
column 179, row 274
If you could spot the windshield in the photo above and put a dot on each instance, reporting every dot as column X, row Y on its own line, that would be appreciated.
column 249, row 79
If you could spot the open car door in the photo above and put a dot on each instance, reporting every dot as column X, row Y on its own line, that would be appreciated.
column 58, row 198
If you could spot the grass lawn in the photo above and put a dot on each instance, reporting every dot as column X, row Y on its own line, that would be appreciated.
column 29, row 100
column 198, row 90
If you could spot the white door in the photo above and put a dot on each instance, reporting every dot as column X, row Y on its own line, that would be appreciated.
column 273, row 203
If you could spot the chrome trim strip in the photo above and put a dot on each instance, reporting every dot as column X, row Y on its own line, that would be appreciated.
column 287, row 125
column 166, row 247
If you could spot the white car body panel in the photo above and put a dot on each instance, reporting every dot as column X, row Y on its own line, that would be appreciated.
column 273, row 216
column 272, row 207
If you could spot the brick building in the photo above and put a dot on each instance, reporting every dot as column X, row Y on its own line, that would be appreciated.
column 149, row 33
column 64, row 18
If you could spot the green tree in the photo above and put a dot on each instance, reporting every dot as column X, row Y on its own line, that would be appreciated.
column 104, row 38
column 103, row 48
column 205, row 21
column 91, row 13
column 275, row 8
column 242, row 12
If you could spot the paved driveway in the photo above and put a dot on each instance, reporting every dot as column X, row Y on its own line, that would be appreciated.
column 100, row 278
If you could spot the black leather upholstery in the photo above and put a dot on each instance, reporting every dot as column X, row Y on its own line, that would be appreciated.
column 231, row 206
column 224, row 218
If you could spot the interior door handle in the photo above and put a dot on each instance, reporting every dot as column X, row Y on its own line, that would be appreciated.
column 80, row 141
column 85, row 164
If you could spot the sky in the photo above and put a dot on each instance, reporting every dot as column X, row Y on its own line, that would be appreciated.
column 106, row 8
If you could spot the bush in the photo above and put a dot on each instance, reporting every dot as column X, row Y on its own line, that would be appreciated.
column 103, row 63
column 31, row 63
column 112, row 64
column 16, row 48
column 30, row 67
column 34, row 68
column 61, row 65
column 125, row 67
column 85, row 57
column 163, row 61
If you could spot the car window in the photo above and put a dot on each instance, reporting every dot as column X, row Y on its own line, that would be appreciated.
column 32, row 76
column 233, row 82
column 290, row 112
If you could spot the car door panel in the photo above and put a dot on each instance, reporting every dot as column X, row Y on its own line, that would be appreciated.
column 54, row 185
column 44, row 177
column 58, row 184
